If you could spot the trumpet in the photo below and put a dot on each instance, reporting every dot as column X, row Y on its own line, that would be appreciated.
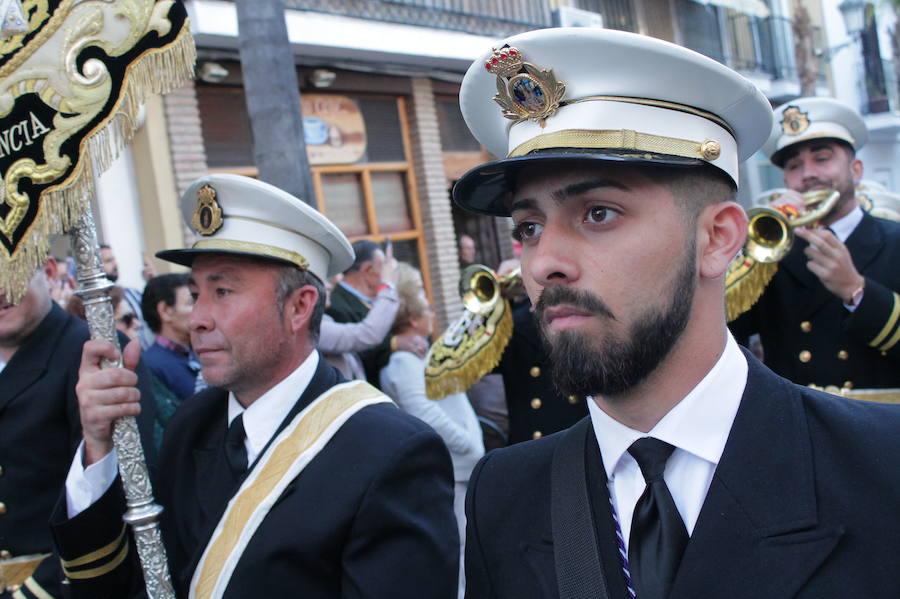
column 480, row 288
column 770, row 232
column 770, row 235
column 473, row 345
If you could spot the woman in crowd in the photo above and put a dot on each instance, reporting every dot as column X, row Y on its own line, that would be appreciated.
column 404, row 380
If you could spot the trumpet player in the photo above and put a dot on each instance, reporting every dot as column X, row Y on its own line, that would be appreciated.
column 831, row 315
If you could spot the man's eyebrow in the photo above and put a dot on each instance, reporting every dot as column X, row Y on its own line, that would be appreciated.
column 215, row 277
column 561, row 195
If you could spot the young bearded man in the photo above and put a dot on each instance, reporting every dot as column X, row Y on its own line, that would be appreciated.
column 699, row 473
column 829, row 317
column 282, row 479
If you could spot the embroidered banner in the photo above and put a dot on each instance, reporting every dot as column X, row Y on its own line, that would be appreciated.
column 73, row 75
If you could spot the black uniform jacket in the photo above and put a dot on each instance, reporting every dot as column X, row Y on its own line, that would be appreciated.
column 810, row 338
column 370, row 516
column 346, row 307
column 803, row 504
column 534, row 405
column 39, row 431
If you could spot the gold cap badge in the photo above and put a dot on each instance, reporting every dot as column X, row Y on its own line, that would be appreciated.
column 525, row 92
column 794, row 122
column 207, row 217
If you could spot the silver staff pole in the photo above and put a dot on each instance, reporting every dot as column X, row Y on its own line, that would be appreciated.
column 142, row 514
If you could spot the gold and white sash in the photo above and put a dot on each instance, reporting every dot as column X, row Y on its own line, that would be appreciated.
column 295, row 447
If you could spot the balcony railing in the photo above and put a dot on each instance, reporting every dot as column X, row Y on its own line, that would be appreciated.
column 480, row 17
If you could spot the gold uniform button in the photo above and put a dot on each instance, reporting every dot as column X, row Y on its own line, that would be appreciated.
column 537, row 435
column 536, row 403
column 5, row 554
column 806, row 326
column 2, row 508
column 573, row 399
column 848, row 384
column 535, row 371
column 805, row 356
column 843, row 355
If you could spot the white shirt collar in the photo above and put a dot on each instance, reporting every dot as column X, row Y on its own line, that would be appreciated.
column 844, row 226
column 699, row 424
column 264, row 415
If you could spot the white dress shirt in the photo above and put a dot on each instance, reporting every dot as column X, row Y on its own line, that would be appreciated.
column 843, row 227
column 697, row 426
column 84, row 486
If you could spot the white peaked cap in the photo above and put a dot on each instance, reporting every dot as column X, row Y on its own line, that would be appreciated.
column 621, row 96
column 804, row 119
column 232, row 214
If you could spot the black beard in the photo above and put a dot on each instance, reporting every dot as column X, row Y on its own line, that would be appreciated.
column 583, row 366
column 113, row 277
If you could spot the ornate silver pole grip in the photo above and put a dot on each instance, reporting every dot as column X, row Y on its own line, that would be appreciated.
column 142, row 514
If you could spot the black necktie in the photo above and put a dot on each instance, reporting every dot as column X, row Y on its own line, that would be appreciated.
column 658, row 536
column 235, row 451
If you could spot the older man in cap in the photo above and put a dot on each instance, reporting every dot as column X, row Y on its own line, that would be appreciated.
column 699, row 472
column 829, row 317
column 282, row 480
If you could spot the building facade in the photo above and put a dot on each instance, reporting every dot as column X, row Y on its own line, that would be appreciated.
column 379, row 81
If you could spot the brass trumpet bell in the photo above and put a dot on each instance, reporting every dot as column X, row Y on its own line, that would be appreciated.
column 480, row 289
column 770, row 233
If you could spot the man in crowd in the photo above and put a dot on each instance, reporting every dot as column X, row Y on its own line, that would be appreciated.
column 166, row 305
column 466, row 250
column 281, row 479
column 132, row 297
column 699, row 473
column 40, row 347
column 352, row 298
column 829, row 316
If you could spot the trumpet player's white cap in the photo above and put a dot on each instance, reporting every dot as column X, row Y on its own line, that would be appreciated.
column 238, row 215
column 596, row 94
column 805, row 119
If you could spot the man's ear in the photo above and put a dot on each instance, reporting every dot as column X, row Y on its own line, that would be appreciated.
column 299, row 307
column 856, row 169
column 164, row 310
column 722, row 230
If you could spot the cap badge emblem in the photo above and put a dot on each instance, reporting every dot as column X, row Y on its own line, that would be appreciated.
column 794, row 122
column 207, row 217
column 525, row 92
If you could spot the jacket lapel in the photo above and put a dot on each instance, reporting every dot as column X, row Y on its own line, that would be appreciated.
column 540, row 554
column 865, row 242
column 813, row 292
column 758, row 533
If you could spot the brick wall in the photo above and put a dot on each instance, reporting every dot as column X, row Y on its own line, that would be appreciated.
column 434, row 199
column 185, row 136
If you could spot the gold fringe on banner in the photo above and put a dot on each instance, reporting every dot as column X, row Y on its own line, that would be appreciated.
column 156, row 71
column 455, row 368
column 745, row 282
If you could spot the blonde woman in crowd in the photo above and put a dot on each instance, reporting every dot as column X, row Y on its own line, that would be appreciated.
column 404, row 380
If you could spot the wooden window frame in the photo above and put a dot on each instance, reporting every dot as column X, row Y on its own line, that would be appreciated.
column 364, row 171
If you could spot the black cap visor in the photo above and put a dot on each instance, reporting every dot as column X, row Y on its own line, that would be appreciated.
column 186, row 257
column 487, row 189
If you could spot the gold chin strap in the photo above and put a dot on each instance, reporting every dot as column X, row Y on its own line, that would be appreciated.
column 251, row 247
column 621, row 139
